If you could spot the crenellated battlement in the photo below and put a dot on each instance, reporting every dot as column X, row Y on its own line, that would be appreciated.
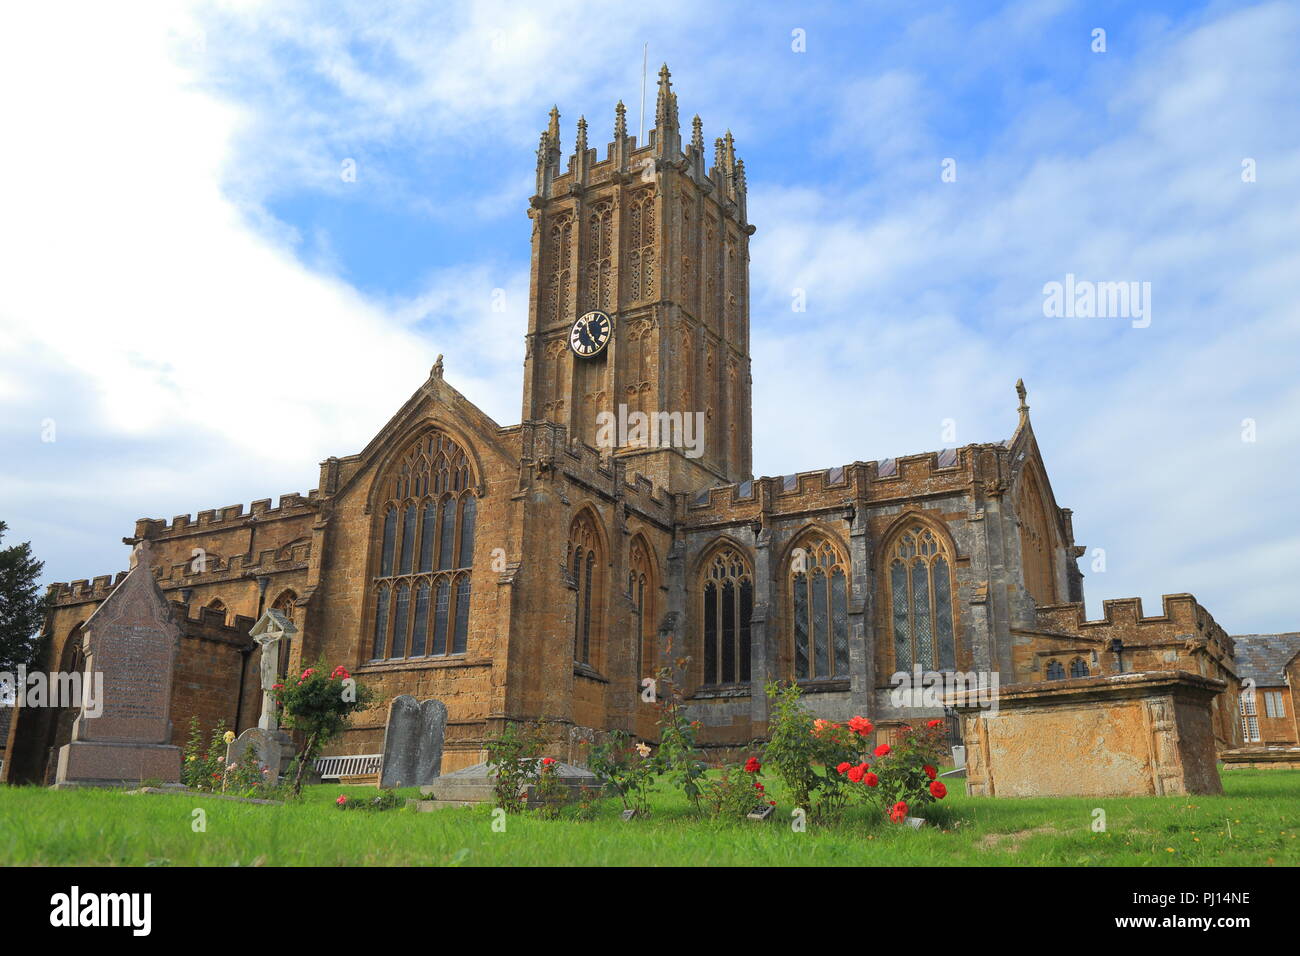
column 210, row 623
column 268, row 561
column 292, row 504
column 1182, row 617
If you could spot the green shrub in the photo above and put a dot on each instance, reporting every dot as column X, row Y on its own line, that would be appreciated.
column 385, row 800
column 515, row 758
column 628, row 767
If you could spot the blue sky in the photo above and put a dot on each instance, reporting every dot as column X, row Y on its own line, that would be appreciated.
column 203, row 309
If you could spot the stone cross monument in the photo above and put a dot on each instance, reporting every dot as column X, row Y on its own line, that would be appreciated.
column 274, row 746
column 270, row 631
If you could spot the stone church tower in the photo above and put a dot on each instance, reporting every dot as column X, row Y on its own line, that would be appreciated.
column 656, row 237
column 543, row 570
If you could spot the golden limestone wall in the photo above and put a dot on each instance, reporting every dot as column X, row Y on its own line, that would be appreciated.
column 1122, row 735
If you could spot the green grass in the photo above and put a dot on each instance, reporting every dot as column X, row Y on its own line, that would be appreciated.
column 112, row 828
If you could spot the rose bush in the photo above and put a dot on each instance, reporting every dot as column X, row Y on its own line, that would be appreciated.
column 319, row 707
column 824, row 764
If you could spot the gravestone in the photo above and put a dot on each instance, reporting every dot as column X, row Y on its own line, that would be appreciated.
column 271, row 750
column 413, row 742
column 132, row 641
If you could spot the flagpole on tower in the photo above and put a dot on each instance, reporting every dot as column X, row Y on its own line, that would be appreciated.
column 645, row 50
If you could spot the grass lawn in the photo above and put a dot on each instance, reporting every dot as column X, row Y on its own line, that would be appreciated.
column 1256, row 823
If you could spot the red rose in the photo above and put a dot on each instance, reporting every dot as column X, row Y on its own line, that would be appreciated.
column 882, row 750
column 341, row 800
column 752, row 765
column 934, row 723
column 771, row 803
column 870, row 779
column 547, row 761
column 938, row 790
column 899, row 812
column 860, row 726
column 930, row 771
column 856, row 773
column 843, row 768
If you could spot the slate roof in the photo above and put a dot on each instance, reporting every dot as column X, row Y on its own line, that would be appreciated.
column 1262, row 657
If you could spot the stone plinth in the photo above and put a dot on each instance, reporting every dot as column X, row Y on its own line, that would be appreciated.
column 474, row 784
column 1273, row 757
column 1123, row 735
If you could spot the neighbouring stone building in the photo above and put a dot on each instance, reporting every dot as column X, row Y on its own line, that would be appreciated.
column 1269, row 664
column 543, row 569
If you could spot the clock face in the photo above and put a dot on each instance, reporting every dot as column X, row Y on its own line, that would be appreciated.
column 591, row 333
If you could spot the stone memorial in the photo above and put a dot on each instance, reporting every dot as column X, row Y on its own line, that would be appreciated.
column 1121, row 735
column 132, row 641
column 413, row 742
column 274, row 746
column 476, row 785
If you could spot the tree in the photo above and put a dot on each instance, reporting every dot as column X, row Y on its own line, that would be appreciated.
column 22, row 609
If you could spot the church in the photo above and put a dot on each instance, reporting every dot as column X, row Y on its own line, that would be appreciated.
column 545, row 569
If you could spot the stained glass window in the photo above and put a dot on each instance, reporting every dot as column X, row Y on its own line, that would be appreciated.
column 819, row 610
column 428, row 521
column 920, row 605
column 585, row 572
column 727, row 607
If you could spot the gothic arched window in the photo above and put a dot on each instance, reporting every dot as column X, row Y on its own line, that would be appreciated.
column 918, row 575
column 559, row 242
column 641, row 245
column 819, row 610
column 640, row 587
column 285, row 604
column 216, row 604
column 585, row 566
column 600, row 228
column 1079, row 668
column 1055, row 670
column 426, row 550
column 727, row 596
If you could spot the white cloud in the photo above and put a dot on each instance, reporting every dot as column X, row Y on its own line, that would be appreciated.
column 168, row 322
column 925, row 303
